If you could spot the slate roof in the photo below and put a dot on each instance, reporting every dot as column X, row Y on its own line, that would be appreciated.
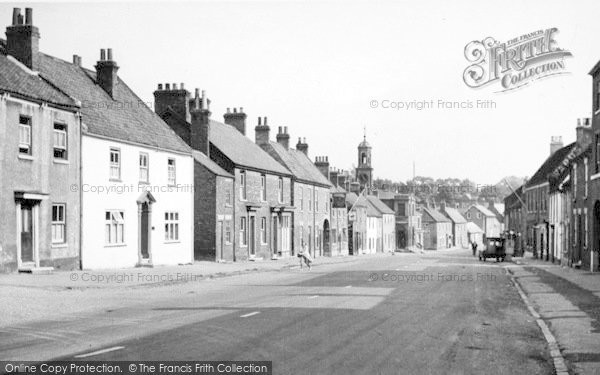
column 17, row 80
column 473, row 228
column 372, row 211
column 455, row 216
column 297, row 162
column 379, row 205
column 483, row 210
column 541, row 175
column 210, row 165
column 352, row 199
column 241, row 150
column 436, row 215
column 386, row 194
column 124, row 117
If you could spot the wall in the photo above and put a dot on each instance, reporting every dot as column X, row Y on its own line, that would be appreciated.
column 123, row 197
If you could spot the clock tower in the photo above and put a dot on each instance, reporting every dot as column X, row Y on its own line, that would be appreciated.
column 364, row 171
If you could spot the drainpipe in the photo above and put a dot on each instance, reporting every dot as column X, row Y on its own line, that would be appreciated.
column 80, row 192
column 234, row 197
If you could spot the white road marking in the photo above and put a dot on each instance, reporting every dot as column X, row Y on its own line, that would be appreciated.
column 348, row 286
column 249, row 314
column 100, row 352
column 311, row 297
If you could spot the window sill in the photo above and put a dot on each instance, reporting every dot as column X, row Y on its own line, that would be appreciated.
column 115, row 245
column 144, row 183
column 59, row 245
column 115, row 180
column 26, row 157
column 61, row 161
column 170, row 242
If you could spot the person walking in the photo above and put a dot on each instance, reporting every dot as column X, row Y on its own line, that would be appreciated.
column 474, row 247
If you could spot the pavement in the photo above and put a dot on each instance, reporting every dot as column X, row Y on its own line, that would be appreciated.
column 437, row 312
column 568, row 301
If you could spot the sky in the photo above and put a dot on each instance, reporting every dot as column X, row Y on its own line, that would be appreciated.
column 326, row 69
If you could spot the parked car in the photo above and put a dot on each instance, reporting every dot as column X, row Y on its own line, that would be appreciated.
column 493, row 248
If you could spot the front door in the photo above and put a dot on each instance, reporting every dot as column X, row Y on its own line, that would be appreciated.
column 145, row 231
column 219, row 244
column 27, row 231
column 252, row 237
column 274, row 232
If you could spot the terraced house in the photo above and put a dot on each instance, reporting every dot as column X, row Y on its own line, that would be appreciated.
column 40, row 131
column 137, row 186
column 310, row 192
column 243, row 199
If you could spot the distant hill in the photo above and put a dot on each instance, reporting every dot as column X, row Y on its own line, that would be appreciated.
column 502, row 189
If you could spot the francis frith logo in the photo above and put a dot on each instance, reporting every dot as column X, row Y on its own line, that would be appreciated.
column 515, row 63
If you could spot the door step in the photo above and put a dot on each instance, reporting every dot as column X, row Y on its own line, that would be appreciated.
column 37, row 270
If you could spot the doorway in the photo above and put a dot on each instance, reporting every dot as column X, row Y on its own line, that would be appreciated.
column 252, row 237
column 145, row 231
column 219, row 242
column 144, row 203
column 326, row 243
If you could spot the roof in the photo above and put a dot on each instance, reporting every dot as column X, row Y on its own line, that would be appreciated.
column 122, row 117
column 372, row 211
column 297, row 162
column 241, row 150
column 436, row 215
column 380, row 206
column 553, row 161
column 18, row 80
column 473, row 228
column 454, row 215
column 483, row 210
column 338, row 189
column 354, row 200
column 210, row 165
column 386, row 194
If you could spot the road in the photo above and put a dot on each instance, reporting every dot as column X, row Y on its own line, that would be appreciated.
column 442, row 312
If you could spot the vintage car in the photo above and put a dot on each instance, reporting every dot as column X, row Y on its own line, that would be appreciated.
column 494, row 248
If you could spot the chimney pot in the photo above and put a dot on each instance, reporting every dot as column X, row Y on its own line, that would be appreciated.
column 265, row 122
column 174, row 86
column 279, row 131
column 241, row 109
column 102, row 54
column 182, row 86
column 167, row 86
column 228, row 110
column 259, row 119
column 285, row 130
column 28, row 16
column 204, row 100
column 578, row 122
column 16, row 15
column 109, row 56
column 160, row 86
column 74, row 59
column 234, row 110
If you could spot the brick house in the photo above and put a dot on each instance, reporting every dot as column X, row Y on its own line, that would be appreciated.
column 437, row 230
column 341, row 233
column 40, row 134
column 485, row 219
column 459, row 226
column 536, row 192
column 257, row 205
column 593, row 201
column 310, row 193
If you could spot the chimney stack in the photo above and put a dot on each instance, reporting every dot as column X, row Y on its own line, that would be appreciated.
column 200, row 127
column 343, row 180
column 556, row 144
column 302, row 146
column 23, row 39
column 584, row 132
column 106, row 72
column 283, row 138
column 333, row 176
column 261, row 132
column 177, row 100
column 77, row 60
column 237, row 119
column 355, row 187
column 322, row 163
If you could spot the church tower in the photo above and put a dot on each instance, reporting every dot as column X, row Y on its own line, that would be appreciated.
column 364, row 171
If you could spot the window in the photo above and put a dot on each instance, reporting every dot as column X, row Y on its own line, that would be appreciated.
column 597, row 153
column 280, row 190
column 243, row 232
column 597, row 101
column 60, row 141
column 144, row 167
column 334, row 235
column 301, row 199
column 171, row 171
column 401, row 209
column 171, row 226
column 468, row 215
column 263, row 187
column 24, row 135
column 228, row 232
column 228, row 197
column 114, row 227
column 316, row 201
column 243, row 185
column 263, row 230
column 585, row 226
column 479, row 215
column 585, row 177
column 309, row 200
column 58, row 223
column 115, row 164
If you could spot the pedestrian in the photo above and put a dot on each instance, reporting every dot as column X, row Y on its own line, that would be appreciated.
column 305, row 257
column 474, row 247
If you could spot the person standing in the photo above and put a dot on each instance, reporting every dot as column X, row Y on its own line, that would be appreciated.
column 474, row 247
column 305, row 257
